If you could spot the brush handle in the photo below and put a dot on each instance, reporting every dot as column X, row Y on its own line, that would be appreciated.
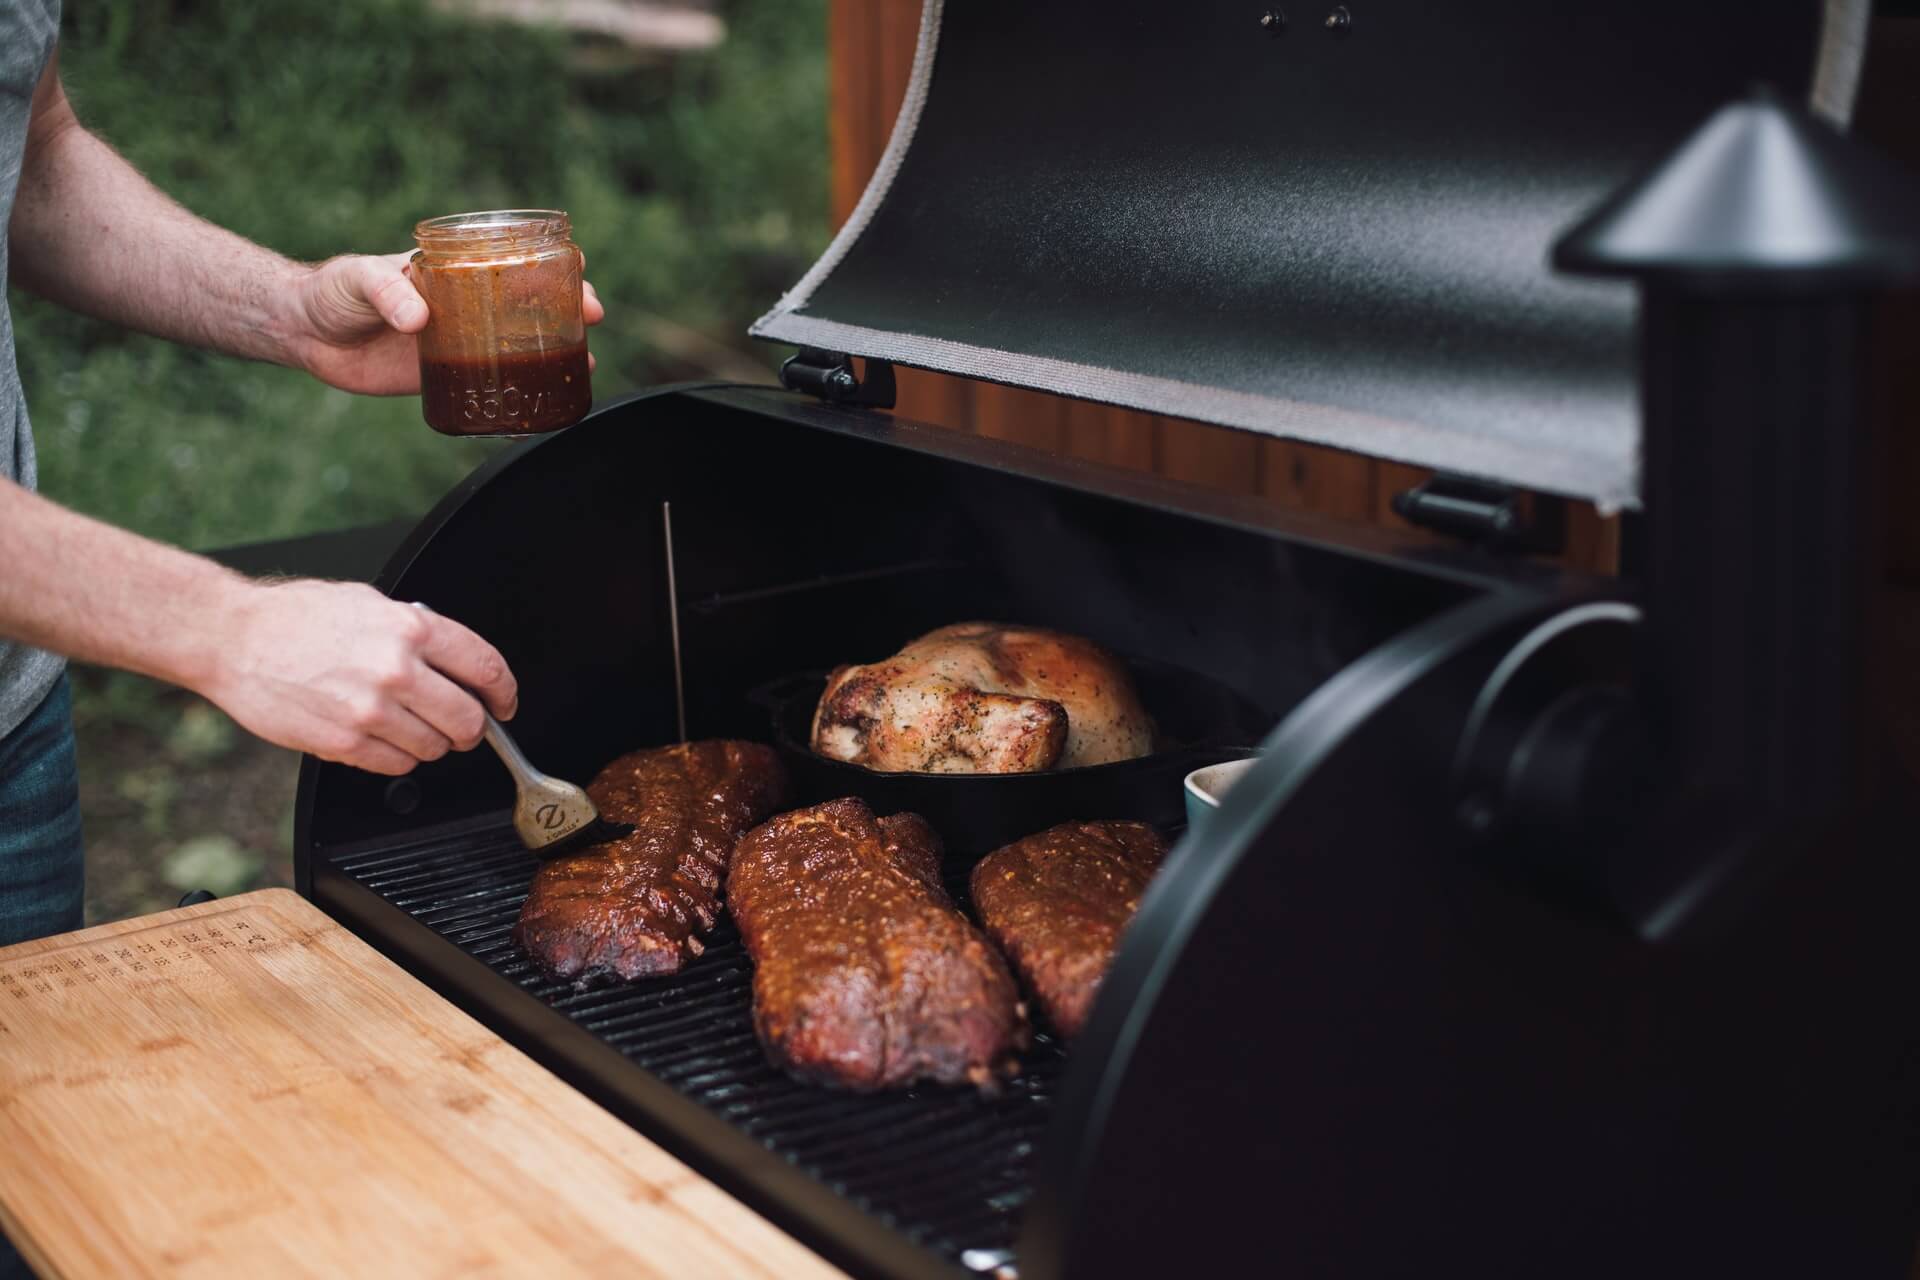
column 524, row 774
column 546, row 808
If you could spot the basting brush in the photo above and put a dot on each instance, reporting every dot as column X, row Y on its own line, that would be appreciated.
column 551, row 815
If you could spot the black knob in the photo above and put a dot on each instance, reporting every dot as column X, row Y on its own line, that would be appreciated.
column 1581, row 766
column 402, row 796
column 194, row 897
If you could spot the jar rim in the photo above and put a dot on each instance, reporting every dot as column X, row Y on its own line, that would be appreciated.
column 492, row 227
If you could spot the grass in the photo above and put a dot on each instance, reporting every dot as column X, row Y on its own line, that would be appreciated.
column 697, row 188
column 319, row 127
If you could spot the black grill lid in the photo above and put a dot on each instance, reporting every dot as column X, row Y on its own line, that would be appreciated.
column 1338, row 232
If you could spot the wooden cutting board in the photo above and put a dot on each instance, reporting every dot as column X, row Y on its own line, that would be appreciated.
column 244, row 1088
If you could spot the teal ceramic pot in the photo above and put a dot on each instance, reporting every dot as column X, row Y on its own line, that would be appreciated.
column 1206, row 787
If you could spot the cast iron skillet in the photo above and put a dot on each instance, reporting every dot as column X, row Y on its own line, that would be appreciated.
column 1200, row 722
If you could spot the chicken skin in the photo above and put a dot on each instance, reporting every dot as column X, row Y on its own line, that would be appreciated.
column 984, row 697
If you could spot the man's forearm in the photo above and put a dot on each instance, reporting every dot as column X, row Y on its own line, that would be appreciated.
column 88, row 590
column 334, row 668
column 90, row 233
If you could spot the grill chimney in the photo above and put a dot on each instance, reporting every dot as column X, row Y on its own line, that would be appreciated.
column 1760, row 245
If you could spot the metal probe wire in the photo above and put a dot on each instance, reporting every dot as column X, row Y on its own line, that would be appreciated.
column 673, row 619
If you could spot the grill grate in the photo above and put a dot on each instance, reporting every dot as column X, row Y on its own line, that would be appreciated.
column 948, row 1168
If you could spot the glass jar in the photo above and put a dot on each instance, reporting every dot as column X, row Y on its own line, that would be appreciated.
column 504, row 352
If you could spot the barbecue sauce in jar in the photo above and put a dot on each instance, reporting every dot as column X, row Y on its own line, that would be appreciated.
column 504, row 352
column 516, row 394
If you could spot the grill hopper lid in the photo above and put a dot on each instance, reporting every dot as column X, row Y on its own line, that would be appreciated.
column 1331, row 228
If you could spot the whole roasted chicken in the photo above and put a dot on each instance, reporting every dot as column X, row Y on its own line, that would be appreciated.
column 983, row 697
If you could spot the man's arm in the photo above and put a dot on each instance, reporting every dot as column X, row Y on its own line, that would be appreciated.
column 90, row 233
column 331, row 668
column 328, row 667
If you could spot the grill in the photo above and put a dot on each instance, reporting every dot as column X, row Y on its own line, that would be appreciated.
column 933, row 1181
column 947, row 1168
column 1561, row 926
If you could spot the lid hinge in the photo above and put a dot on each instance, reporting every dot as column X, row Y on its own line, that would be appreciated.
column 1485, row 513
column 829, row 375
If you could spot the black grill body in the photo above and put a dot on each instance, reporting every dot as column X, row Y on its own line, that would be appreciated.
column 1340, row 1000
column 805, row 536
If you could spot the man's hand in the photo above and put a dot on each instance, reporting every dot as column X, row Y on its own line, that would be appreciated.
column 353, row 321
column 90, row 233
column 333, row 668
column 339, row 670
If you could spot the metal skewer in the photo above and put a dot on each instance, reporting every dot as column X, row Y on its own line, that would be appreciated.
column 673, row 620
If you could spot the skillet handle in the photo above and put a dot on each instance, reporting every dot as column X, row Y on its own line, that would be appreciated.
column 773, row 696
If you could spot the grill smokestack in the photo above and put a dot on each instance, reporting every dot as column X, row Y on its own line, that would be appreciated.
column 1760, row 245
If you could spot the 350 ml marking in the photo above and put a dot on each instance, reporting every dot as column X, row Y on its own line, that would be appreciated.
column 489, row 404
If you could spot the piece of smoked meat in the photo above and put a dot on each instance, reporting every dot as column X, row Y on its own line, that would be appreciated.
column 636, row 907
column 1057, row 902
column 865, row 974
column 983, row 697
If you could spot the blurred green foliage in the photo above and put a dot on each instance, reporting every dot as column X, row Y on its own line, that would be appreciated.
column 697, row 186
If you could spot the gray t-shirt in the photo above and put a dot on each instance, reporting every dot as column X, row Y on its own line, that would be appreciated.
column 28, row 29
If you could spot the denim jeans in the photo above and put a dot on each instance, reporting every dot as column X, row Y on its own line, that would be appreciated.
column 40, row 868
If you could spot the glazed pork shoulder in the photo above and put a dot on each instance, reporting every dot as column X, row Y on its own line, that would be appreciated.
column 865, row 975
column 980, row 697
column 1057, row 903
column 637, row 907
